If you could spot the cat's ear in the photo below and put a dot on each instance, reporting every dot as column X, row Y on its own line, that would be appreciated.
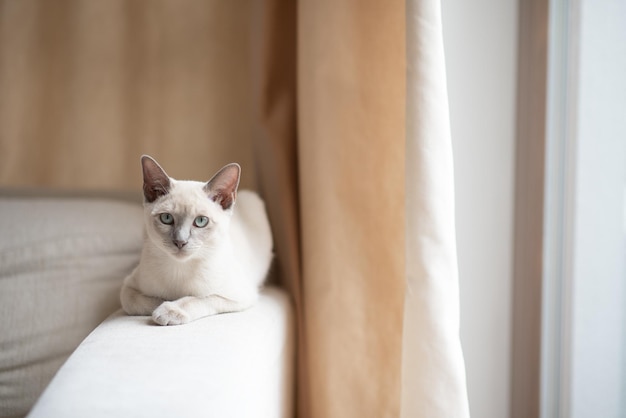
column 156, row 182
column 222, row 188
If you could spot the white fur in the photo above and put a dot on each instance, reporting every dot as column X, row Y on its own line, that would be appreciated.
column 221, row 267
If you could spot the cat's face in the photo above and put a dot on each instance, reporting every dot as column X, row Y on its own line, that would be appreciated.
column 185, row 221
column 187, row 218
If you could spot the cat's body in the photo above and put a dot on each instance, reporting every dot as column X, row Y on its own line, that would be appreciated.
column 203, row 254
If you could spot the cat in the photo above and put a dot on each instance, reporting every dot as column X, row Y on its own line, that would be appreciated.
column 207, row 248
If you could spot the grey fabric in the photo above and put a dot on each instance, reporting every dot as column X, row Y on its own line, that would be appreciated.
column 62, row 262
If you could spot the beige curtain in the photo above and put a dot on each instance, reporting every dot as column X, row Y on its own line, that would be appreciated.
column 337, row 111
column 87, row 86
column 378, row 313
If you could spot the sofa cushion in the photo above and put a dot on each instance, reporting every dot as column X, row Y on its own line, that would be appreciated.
column 230, row 365
column 62, row 262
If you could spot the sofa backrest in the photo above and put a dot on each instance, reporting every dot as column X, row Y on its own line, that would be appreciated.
column 62, row 262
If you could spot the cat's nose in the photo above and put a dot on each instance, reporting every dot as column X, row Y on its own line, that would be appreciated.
column 180, row 243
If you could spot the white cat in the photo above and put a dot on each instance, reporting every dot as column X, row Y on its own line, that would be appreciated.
column 202, row 254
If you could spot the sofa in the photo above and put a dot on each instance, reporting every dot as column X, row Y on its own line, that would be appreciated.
column 67, row 349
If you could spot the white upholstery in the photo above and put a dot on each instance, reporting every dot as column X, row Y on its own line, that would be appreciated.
column 229, row 365
column 62, row 262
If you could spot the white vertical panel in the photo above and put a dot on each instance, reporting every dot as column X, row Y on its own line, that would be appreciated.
column 433, row 368
column 480, row 40
column 599, row 276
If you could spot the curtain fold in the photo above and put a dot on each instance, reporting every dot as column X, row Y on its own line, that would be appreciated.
column 378, row 291
column 433, row 379
column 351, row 72
column 275, row 146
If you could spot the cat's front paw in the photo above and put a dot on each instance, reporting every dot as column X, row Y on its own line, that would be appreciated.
column 169, row 313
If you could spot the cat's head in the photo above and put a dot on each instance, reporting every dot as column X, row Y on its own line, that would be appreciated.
column 187, row 218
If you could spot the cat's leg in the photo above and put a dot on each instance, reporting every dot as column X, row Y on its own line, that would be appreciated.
column 136, row 303
column 190, row 308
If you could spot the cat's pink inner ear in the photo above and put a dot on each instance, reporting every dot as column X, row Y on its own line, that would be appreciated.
column 156, row 182
column 222, row 188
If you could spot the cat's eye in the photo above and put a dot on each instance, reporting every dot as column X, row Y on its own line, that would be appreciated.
column 201, row 221
column 166, row 218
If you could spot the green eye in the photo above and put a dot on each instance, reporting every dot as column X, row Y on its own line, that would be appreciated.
column 166, row 218
column 201, row 221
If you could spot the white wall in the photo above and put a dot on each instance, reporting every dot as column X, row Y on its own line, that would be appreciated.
column 481, row 53
column 598, row 298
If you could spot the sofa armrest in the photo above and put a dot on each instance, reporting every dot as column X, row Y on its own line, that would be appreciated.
column 230, row 365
